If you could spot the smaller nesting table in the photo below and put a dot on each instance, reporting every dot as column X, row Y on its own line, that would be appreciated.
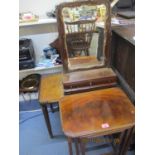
column 50, row 91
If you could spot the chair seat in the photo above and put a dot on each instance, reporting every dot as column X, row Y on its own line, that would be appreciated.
column 78, row 46
column 98, row 112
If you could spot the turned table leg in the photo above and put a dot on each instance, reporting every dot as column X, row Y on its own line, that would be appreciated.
column 47, row 120
column 125, row 142
column 77, row 146
column 70, row 145
column 82, row 146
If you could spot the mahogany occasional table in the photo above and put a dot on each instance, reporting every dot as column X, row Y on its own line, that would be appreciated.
column 97, row 113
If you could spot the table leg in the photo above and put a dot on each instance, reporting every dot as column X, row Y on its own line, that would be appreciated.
column 82, row 146
column 23, row 96
column 127, row 141
column 47, row 120
column 77, row 146
column 121, row 142
column 52, row 109
column 70, row 145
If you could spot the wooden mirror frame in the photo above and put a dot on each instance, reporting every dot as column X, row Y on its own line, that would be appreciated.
column 106, row 33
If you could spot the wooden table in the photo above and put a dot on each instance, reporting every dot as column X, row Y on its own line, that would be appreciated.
column 97, row 113
column 51, row 90
column 109, row 106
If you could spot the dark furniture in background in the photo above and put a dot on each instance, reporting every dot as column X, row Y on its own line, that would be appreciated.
column 124, row 5
column 26, row 54
column 123, row 57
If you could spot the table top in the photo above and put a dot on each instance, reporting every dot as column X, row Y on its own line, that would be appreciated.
column 51, row 88
column 96, row 112
column 127, row 32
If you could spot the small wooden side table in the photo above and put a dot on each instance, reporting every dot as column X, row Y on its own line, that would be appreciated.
column 50, row 91
column 95, row 114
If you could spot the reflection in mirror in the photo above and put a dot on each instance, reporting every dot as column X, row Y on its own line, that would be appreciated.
column 83, row 40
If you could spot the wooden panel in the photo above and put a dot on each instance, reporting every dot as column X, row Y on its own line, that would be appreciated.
column 123, row 57
column 88, row 75
column 125, row 61
column 127, row 32
column 51, row 89
column 87, row 113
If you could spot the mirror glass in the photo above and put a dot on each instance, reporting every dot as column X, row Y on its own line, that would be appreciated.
column 83, row 38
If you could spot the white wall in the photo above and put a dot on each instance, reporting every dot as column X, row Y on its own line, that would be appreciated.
column 39, row 7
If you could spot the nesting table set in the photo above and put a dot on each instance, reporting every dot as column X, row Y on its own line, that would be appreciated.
column 90, row 114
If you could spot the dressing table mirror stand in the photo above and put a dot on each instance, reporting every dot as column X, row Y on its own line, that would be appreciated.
column 86, row 71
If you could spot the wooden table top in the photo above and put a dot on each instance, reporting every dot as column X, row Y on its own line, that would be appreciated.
column 127, row 32
column 51, row 88
column 96, row 112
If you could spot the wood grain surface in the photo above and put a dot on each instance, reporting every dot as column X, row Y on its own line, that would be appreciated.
column 51, row 89
column 96, row 112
